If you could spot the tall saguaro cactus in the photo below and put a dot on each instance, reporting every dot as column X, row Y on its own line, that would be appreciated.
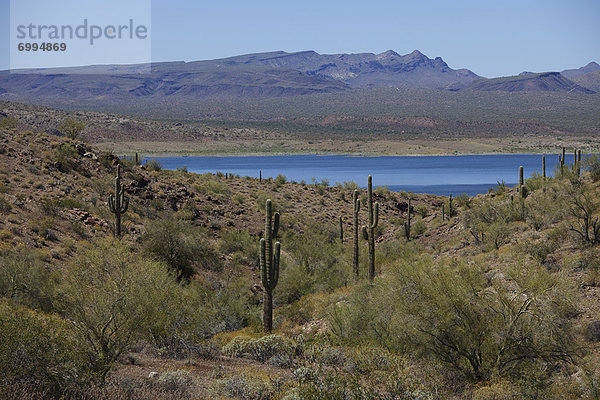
column 355, row 210
column 577, row 163
column 522, row 189
column 118, row 203
column 561, row 160
column 269, row 264
column 450, row 208
column 407, row 223
column 341, row 230
column 369, row 231
column 544, row 167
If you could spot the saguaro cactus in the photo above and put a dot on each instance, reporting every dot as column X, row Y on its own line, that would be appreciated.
column 118, row 203
column 407, row 223
column 443, row 206
column 521, row 188
column 260, row 175
column 578, row 162
column 341, row 230
column 269, row 265
column 355, row 210
column 369, row 231
column 544, row 166
column 450, row 208
column 561, row 160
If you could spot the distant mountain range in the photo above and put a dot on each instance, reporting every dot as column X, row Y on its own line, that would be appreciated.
column 273, row 74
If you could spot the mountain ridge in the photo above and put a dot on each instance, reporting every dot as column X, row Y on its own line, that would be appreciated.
column 265, row 75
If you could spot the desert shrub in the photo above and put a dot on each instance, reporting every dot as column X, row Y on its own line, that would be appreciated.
column 418, row 227
column 499, row 189
column 180, row 246
column 333, row 386
column 261, row 349
column 280, row 179
column 233, row 241
column 25, row 279
column 540, row 250
column 592, row 331
column 422, row 210
column 65, row 154
column 245, row 386
column 5, row 205
column 454, row 313
column 216, row 187
column 591, row 164
column 179, row 381
column 545, row 208
column 71, row 127
column 325, row 355
column 584, row 208
column 281, row 361
column 40, row 350
column 316, row 263
column 463, row 200
column 113, row 299
column 152, row 165
column 234, row 302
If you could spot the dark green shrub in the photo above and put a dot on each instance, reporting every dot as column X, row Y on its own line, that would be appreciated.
column 458, row 315
column 71, row 127
column 25, row 279
column 113, row 299
column 152, row 165
column 180, row 246
column 591, row 164
column 40, row 350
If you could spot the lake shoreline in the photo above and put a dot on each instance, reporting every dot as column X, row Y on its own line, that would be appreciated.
column 438, row 175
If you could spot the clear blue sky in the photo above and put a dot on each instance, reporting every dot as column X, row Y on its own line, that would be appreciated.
column 492, row 38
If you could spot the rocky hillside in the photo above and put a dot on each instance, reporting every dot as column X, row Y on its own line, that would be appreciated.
column 512, row 276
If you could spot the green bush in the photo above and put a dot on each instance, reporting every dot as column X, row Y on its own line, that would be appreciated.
column 246, row 387
column 591, row 164
column 71, row 127
column 261, row 349
column 179, row 381
column 233, row 241
column 25, row 279
column 153, row 165
column 40, row 349
column 479, row 326
column 180, row 246
column 113, row 299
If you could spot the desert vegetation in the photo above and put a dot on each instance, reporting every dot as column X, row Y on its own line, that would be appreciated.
column 126, row 281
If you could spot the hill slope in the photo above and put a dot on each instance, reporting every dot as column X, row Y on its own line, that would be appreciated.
column 529, row 82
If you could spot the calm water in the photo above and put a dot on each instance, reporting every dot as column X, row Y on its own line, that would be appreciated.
column 428, row 174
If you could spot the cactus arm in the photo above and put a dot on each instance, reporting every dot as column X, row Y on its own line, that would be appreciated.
column 275, row 225
column 125, row 205
column 276, row 258
column 376, row 216
column 263, row 269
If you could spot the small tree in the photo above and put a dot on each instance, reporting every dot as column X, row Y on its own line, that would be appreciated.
column 179, row 245
column 584, row 207
column 71, row 127
column 113, row 299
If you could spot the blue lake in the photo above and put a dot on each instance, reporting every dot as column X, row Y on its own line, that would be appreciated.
column 441, row 175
